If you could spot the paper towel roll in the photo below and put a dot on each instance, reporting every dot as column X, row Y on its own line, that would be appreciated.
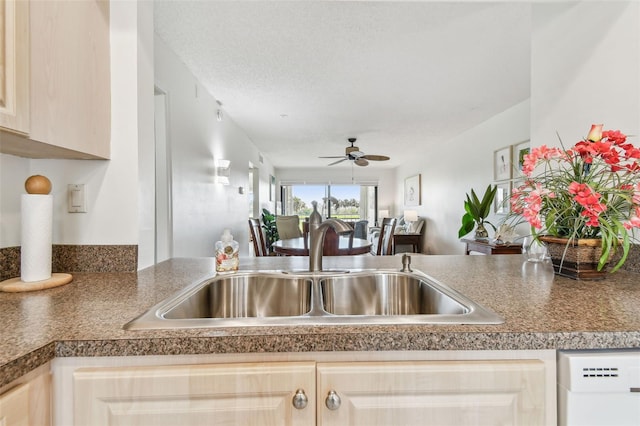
column 37, row 225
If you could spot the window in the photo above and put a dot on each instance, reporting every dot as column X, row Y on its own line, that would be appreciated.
column 346, row 202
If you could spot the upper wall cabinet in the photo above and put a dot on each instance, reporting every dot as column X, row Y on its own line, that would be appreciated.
column 55, row 83
column 14, row 65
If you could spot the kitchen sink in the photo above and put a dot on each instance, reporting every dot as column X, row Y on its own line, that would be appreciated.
column 386, row 294
column 265, row 298
column 245, row 295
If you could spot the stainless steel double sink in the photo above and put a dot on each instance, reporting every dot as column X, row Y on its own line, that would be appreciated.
column 269, row 298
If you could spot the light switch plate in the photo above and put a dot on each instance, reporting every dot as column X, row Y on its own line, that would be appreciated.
column 76, row 198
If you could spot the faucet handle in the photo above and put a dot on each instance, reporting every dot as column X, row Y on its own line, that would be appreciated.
column 406, row 263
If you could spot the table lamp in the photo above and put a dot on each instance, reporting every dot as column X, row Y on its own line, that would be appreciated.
column 410, row 216
column 382, row 214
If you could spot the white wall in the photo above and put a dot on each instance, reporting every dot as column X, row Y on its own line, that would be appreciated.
column 146, row 137
column 111, row 186
column 586, row 69
column 450, row 169
column 120, row 191
column 13, row 172
column 202, row 209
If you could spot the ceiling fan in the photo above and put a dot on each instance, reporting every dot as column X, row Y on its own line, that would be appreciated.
column 354, row 154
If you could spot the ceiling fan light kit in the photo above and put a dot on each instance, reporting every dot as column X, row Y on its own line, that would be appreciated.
column 354, row 154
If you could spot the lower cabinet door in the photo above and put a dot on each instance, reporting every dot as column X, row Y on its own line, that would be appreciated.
column 220, row 394
column 14, row 407
column 439, row 393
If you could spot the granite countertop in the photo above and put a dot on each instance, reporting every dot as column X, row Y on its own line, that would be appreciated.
column 85, row 317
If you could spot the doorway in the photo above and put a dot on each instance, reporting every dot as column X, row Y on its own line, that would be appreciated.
column 163, row 247
column 254, row 192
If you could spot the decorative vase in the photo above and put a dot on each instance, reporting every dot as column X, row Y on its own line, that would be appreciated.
column 481, row 233
column 577, row 259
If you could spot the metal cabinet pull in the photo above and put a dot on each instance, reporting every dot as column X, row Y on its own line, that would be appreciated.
column 300, row 399
column 332, row 401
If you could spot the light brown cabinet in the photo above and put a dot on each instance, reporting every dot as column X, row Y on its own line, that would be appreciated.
column 468, row 392
column 226, row 394
column 14, row 65
column 55, row 73
column 444, row 393
column 14, row 406
column 27, row 401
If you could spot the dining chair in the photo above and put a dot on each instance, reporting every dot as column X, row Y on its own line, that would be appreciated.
column 288, row 227
column 360, row 229
column 331, row 244
column 385, row 239
column 257, row 236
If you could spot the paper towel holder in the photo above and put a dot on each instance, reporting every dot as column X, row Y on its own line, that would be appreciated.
column 36, row 185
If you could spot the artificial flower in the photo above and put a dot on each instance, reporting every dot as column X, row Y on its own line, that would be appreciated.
column 591, row 190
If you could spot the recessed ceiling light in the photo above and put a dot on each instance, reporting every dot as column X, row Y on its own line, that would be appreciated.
column 284, row 116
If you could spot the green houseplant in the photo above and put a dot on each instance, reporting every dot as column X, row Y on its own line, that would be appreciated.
column 476, row 211
column 269, row 226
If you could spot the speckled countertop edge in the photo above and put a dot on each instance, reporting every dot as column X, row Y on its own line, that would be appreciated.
column 85, row 317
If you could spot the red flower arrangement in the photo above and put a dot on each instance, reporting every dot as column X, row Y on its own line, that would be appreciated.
column 591, row 190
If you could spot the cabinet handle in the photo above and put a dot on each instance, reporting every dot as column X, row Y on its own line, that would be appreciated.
column 300, row 399
column 333, row 400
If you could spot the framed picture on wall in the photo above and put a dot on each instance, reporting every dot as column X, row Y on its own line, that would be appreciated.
column 412, row 191
column 519, row 151
column 501, row 201
column 502, row 164
column 272, row 188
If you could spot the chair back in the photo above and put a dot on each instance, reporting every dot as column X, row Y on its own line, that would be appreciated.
column 385, row 240
column 288, row 227
column 331, row 243
column 257, row 236
column 360, row 229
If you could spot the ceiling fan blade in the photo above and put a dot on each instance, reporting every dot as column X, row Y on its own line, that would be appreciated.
column 375, row 157
column 336, row 162
column 361, row 162
column 335, row 156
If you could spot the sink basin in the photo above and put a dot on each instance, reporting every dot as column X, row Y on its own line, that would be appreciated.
column 266, row 298
column 245, row 295
column 386, row 294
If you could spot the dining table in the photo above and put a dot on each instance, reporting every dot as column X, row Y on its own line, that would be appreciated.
column 347, row 245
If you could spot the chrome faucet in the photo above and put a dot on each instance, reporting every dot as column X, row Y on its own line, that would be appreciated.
column 317, row 232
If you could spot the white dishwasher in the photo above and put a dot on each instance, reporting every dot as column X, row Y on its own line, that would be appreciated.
column 599, row 387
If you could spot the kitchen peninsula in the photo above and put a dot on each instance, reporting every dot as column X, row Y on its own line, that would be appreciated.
column 85, row 318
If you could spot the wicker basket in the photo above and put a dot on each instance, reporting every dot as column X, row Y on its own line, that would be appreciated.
column 576, row 258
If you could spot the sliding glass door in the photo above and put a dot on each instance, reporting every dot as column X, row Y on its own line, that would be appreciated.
column 347, row 202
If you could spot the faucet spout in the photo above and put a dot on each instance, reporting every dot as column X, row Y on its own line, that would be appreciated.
column 316, row 240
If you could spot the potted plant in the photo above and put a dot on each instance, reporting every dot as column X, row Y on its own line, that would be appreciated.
column 269, row 226
column 477, row 211
column 587, row 198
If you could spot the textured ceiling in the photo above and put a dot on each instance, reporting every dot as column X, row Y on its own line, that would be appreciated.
column 393, row 74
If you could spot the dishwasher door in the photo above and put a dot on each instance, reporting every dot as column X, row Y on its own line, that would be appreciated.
column 599, row 388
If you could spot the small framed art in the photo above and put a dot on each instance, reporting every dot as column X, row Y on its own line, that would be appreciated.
column 272, row 188
column 501, row 201
column 502, row 164
column 519, row 151
column 412, row 191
